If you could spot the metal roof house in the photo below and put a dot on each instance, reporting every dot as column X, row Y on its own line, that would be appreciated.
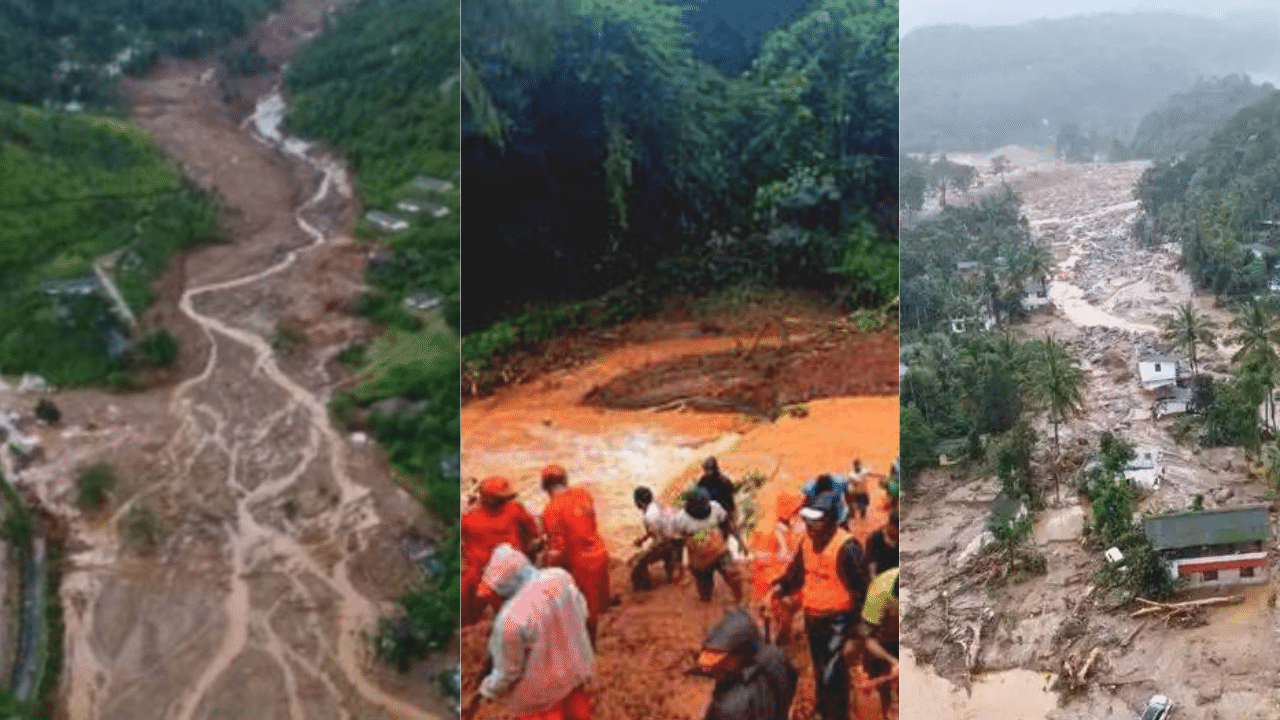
column 1214, row 548
column 76, row 286
column 386, row 221
column 432, row 185
column 411, row 205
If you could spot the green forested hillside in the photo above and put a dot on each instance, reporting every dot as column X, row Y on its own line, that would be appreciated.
column 1184, row 122
column 381, row 85
column 73, row 188
column 1222, row 199
column 983, row 87
column 608, row 159
column 62, row 51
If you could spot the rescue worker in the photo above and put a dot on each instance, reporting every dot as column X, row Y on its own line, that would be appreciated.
column 827, row 483
column 891, row 485
column 722, row 490
column 878, row 629
column 701, row 525
column 829, row 569
column 539, row 653
column 574, row 543
column 666, row 547
column 859, row 493
column 497, row 519
column 882, row 547
column 755, row 680
column 775, row 551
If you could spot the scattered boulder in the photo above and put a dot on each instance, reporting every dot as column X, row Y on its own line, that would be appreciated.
column 1223, row 494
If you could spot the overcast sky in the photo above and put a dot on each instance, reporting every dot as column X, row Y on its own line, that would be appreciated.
column 916, row 13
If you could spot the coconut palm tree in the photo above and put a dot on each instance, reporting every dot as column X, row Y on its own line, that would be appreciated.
column 1058, row 383
column 1256, row 324
column 1189, row 331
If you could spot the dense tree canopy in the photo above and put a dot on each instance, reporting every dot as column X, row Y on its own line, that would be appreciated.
column 63, row 51
column 605, row 151
column 1184, row 122
column 1221, row 202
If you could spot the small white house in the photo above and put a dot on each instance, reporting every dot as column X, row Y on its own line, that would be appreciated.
column 412, row 205
column 1035, row 293
column 963, row 325
column 1158, row 371
column 432, row 185
column 423, row 301
column 386, row 221
column 1172, row 401
column 1144, row 469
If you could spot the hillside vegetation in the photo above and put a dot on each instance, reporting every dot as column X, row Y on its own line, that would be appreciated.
column 74, row 188
column 72, row 51
column 978, row 88
column 612, row 168
column 1185, row 122
column 1219, row 201
column 381, row 85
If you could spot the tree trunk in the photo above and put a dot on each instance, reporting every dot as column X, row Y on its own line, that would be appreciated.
column 1057, row 493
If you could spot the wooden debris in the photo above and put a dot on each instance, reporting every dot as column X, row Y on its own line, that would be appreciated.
column 1187, row 613
column 1129, row 640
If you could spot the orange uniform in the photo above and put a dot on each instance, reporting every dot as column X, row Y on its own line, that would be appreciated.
column 773, row 552
column 824, row 592
column 574, row 543
column 484, row 529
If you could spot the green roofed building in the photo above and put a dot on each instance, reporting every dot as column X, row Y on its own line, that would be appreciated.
column 1214, row 548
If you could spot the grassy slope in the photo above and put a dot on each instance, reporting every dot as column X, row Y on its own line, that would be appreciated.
column 73, row 188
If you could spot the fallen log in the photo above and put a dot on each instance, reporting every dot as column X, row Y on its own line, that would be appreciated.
column 1129, row 640
column 1084, row 670
column 1172, row 608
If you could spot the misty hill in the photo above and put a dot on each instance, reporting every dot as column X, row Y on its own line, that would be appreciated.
column 1185, row 122
column 982, row 87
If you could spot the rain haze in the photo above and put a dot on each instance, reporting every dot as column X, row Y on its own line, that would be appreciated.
column 913, row 14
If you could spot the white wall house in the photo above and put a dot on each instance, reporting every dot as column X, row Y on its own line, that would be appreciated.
column 1157, row 371
column 1035, row 293
column 386, row 221
column 1144, row 469
column 1172, row 401
column 972, row 324
column 1214, row 548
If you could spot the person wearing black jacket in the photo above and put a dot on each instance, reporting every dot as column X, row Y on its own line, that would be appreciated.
column 755, row 679
column 882, row 548
column 722, row 490
column 830, row 569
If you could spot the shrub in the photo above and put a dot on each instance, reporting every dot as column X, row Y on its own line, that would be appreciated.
column 95, row 486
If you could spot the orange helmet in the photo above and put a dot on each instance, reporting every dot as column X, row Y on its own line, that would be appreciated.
column 496, row 488
column 553, row 475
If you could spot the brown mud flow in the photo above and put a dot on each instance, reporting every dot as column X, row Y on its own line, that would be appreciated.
column 1112, row 297
column 658, row 439
column 251, row 545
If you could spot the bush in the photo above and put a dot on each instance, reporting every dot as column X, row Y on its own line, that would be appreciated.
column 160, row 349
column 142, row 527
column 95, row 486
column 47, row 412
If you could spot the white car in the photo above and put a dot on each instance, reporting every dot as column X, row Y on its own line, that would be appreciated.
column 1158, row 708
